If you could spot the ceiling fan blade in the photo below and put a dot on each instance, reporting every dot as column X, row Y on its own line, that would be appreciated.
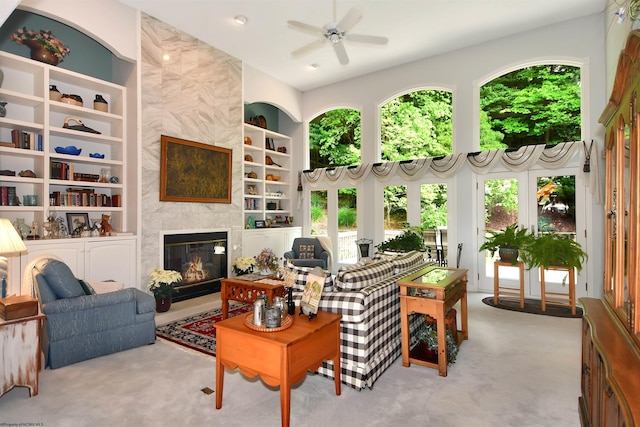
column 341, row 52
column 349, row 20
column 301, row 26
column 308, row 48
column 362, row 38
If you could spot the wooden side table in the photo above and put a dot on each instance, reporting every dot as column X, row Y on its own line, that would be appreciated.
column 20, row 353
column 433, row 290
column 280, row 358
column 559, row 298
column 237, row 289
column 504, row 291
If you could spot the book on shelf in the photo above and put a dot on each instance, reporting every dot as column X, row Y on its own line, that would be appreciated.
column 26, row 140
column 8, row 196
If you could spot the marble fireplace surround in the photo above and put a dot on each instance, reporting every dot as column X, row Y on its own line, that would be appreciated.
column 196, row 95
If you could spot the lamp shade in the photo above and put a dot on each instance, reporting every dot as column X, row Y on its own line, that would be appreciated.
column 10, row 240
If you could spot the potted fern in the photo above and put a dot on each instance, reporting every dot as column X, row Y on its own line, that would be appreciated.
column 428, row 336
column 554, row 249
column 409, row 240
column 507, row 243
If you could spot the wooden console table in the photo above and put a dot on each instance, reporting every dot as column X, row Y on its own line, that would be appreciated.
column 247, row 291
column 433, row 290
column 20, row 353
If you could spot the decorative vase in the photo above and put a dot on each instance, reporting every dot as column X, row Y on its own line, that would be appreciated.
column 163, row 304
column 100, row 104
column 265, row 272
column 40, row 53
column 54, row 93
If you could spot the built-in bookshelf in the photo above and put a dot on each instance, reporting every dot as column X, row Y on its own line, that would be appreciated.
column 266, row 177
column 35, row 139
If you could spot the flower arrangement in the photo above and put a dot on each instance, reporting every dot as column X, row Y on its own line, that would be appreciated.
column 162, row 282
column 267, row 260
column 243, row 265
column 54, row 45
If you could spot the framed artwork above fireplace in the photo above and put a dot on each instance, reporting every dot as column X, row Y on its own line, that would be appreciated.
column 194, row 172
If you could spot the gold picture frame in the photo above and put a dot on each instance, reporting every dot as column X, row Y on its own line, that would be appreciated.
column 194, row 172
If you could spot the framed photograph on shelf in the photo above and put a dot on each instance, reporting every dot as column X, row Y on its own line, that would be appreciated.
column 194, row 172
column 252, row 190
column 77, row 221
column 260, row 223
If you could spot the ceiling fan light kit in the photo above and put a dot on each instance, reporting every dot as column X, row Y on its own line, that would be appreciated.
column 336, row 34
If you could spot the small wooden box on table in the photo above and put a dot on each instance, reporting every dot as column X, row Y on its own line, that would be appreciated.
column 505, row 292
column 280, row 358
column 247, row 291
column 433, row 290
column 20, row 344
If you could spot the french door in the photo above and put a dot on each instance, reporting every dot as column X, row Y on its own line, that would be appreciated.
column 541, row 201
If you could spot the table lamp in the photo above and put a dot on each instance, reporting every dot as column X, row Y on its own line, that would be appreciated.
column 10, row 243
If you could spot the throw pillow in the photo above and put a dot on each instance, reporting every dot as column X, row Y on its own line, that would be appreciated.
column 88, row 290
column 301, row 274
column 61, row 280
column 359, row 278
column 307, row 251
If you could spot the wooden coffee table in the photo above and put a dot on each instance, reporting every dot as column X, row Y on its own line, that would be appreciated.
column 247, row 291
column 280, row 358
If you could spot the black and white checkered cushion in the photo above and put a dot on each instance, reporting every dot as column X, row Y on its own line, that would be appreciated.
column 301, row 278
column 361, row 277
column 405, row 261
column 370, row 338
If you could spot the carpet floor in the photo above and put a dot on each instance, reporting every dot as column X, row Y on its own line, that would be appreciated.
column 198, row 332
column 533, row 306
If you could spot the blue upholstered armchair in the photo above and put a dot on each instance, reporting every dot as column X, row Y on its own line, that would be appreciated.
column 308, row 252
column 80, row 324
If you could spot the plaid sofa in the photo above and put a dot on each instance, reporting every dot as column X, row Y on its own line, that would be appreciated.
column 368, row 298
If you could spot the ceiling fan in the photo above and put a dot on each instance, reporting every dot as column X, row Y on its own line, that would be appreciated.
column 336, row 34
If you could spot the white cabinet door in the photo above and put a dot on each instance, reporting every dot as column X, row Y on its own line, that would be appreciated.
column 71, row 253
column 112, row 260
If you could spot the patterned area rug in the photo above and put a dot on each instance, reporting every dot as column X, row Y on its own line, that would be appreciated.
column 533, row 306
column 198, row 332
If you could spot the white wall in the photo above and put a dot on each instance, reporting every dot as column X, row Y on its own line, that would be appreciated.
column 578, row 42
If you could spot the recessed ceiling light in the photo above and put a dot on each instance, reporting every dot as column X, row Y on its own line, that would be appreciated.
column 313, row 66
column 240, row 19
column 166, row 57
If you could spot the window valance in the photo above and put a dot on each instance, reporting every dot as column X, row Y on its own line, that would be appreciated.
column 515, row 160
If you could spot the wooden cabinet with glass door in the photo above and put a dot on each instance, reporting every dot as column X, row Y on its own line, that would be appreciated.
column 611, row 334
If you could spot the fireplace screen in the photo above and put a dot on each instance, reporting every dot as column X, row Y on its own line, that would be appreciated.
column 201, row 259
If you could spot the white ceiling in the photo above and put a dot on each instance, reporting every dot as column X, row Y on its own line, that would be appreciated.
column 415, row 28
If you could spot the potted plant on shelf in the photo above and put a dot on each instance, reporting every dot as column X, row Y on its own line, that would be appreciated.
column 267, row 262
column 409, row 240
column 428, row 336
column 507, row 243
column 554, row 249
column 162, row 286
column 44, row 46
column 243, row 265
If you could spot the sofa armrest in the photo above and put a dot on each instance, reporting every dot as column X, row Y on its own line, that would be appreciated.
column 290, row 255
column 87, row 302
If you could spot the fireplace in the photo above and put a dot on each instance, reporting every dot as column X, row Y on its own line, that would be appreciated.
column 201, row 259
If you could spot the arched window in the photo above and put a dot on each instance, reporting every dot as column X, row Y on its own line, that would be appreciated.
column 334, row 139
column 417, row 125
column 533, row 105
